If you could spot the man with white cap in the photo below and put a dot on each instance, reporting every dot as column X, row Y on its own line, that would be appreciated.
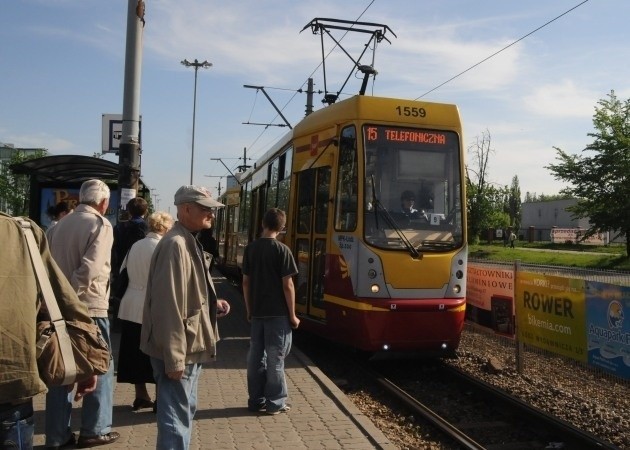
column 179, row 329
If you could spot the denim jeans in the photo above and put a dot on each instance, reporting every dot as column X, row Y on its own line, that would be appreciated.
column 17, row 428
column 176, row 405
column 97, row 409
column 269, row 345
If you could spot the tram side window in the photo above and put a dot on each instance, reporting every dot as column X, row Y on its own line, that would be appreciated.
column 245, row 205
column 279, row 179
column 272, row 193
column 347, row 182
column 284, row 183
column 305, row 201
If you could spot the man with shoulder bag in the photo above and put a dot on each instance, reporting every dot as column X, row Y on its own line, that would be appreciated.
column 19, row 306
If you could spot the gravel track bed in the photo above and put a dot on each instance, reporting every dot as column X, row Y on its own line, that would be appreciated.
column 594, row 403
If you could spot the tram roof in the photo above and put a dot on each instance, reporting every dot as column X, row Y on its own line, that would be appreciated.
column 367, row 107
column 364, row 107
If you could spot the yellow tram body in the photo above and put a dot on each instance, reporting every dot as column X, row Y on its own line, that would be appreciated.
column 371, row 275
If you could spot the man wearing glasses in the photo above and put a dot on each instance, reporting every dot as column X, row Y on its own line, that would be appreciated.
column 179, row 329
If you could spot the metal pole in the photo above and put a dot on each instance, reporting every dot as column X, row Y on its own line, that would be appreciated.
column 192, row 151
column 129, row 153
column 196, row 65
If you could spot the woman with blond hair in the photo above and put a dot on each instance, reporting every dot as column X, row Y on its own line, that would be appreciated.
column 133, row 365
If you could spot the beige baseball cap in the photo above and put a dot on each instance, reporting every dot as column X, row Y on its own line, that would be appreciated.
column 196, row 194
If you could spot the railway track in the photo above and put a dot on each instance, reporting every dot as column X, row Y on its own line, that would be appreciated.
column 428, row 404
column 476, row 415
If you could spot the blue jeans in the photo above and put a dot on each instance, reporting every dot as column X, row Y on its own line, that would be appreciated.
column 17, row 428
column 176, row 405
column 269, row 345
column 97, row 409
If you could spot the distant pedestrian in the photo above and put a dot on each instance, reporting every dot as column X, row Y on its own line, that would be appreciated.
column 512, row 239
column 268, row 270
column 506, row 236
column 179, row 328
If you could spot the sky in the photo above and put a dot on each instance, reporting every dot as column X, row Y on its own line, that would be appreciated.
column 62, row 65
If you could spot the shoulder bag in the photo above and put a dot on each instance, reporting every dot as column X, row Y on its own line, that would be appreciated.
column 68, row 351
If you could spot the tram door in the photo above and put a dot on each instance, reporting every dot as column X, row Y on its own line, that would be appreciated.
column 312, row 210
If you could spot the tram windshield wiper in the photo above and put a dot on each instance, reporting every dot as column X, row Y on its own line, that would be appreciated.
column 392, row 223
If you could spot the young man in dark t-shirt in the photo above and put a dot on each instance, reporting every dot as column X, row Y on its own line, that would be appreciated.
column 268, row 270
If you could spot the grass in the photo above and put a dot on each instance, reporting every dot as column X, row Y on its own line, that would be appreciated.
column 612, row 257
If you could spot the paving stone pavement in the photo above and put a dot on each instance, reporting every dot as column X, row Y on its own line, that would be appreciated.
column 321, row 416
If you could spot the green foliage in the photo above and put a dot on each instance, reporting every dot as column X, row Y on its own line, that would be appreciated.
column 531, row 197
column 488, row 206
column 582, row 256
column 514, row 204
column 14, row 189
column 600, row 178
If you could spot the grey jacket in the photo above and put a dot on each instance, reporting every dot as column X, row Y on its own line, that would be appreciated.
column 179, row 320
column 81, row 244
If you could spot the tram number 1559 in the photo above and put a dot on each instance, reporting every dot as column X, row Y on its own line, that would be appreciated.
column 411, row 111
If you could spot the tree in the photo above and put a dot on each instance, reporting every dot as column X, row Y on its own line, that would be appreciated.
column 531, row 197
column 478, row 202
column 14, row 189
column 599, row 179
column 514, row 204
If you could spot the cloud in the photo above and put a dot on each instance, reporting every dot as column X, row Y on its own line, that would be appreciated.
column 53, row 144
column 563, row 99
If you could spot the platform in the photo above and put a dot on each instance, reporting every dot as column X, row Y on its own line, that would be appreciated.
column 321, row 416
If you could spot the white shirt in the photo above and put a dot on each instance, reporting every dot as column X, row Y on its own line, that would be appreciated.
column 137, row 262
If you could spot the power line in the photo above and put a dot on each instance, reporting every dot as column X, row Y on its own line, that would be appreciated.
column 504, row 48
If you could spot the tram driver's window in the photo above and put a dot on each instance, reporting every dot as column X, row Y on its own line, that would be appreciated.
column 347, row 182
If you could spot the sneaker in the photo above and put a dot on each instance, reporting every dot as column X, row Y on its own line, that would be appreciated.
column 285, row 408
column 259, row 408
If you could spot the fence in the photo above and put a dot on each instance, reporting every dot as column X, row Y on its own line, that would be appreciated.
column 546, row 317
column 533, row 234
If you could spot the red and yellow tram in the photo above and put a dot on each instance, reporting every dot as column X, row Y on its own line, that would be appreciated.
column 372, row 275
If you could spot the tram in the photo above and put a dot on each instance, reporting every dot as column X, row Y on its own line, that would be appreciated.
column 371, row 276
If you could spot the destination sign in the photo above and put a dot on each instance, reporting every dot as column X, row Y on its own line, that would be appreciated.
column 392, row 134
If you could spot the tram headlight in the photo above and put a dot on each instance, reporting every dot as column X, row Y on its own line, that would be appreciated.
column 375, row 288
column 372, row 274
column 457, row 288
column 459, row 274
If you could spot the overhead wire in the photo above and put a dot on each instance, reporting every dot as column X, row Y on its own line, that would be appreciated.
column 504, row 48
column 297, row 91
column 427, row 92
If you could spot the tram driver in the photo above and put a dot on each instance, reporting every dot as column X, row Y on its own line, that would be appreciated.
column 408, row 209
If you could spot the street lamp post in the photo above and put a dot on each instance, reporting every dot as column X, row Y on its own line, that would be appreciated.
column 196, row 64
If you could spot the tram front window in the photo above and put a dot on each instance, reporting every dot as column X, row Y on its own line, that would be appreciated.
column 412, row 188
